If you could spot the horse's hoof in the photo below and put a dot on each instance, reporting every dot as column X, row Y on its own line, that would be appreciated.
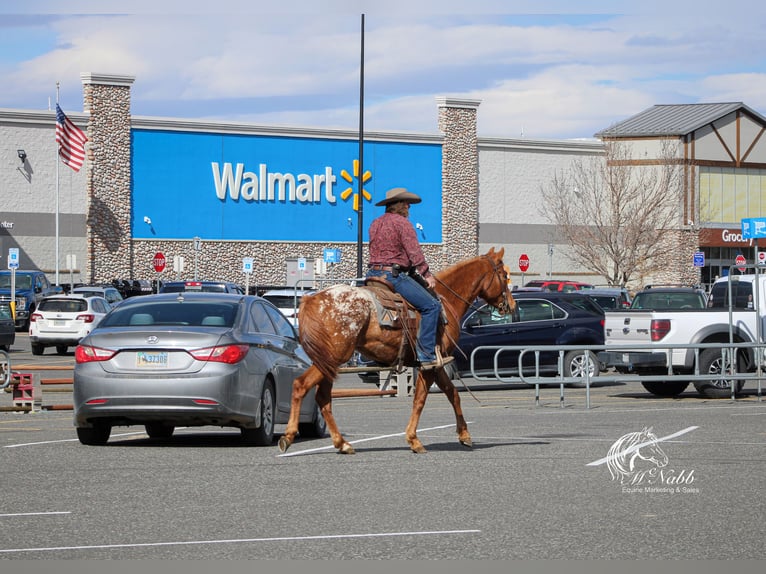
column 346, row 449
column 467, row 442
column 420, row 449
column 284, row 444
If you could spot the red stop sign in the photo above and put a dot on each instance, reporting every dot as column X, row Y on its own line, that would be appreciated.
column 740, row 260
column 523, row 262
column 159, row 262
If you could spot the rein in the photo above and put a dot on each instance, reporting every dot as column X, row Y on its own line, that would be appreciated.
column 496, row 269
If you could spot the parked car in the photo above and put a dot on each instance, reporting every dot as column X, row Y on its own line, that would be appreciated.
column 544, row 318
column 111, row 294
column 62, row 320
column 610, row 297
column 7, row 327
column 199, row 359
column 558, row 285
column 30, row 288
column 661, row 297
column 201, row 286
column 287, row 301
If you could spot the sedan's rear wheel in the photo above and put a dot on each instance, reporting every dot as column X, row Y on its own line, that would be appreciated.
column 159, row 430
column 264, row 434
column 96, row 435
column 577, row 363
column 37, row 349
column 61, row 349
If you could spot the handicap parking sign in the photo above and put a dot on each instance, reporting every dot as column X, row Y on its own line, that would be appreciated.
column 699, row 259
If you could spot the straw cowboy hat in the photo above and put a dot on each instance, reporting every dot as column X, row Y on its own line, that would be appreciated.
column 399, row 194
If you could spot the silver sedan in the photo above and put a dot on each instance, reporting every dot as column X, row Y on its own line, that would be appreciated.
column 190, row 359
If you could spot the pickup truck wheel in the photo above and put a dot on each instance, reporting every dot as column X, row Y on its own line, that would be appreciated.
column 575, row 364
column 711, row 362
column 665, row 388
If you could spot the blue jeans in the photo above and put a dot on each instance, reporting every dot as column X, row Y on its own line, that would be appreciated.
column 428, row 306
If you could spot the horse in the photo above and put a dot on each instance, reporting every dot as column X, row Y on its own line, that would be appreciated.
column 338, row 320
column 627, row 451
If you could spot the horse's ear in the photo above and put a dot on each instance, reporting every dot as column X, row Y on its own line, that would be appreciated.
column 500, row 253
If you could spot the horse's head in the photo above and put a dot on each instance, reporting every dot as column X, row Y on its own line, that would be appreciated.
column 651, row 452
column 494, row 288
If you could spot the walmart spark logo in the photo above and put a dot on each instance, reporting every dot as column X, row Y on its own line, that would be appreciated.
column 350, row 179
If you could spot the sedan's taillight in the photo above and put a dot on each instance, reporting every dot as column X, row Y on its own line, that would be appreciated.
column 89, row 354
column 86, row 317
column 34, row 317
column 226, row 354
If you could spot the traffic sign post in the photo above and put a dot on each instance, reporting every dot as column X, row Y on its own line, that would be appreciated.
column 13, row 264
column 159, row 266
column 523, row 266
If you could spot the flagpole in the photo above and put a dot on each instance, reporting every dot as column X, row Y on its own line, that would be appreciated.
column 57, row 197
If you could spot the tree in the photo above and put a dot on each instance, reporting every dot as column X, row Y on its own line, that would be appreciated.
column 615, row 210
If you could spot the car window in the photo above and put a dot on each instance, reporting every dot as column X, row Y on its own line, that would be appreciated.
column 260, row 319
column 191, row 313
column 63, row 305
column 283, row 327
column 741, row 295
column 99, row 306
column 586, row 304
column 538, row 310
column 5, row 312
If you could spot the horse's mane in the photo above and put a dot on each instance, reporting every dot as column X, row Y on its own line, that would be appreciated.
column 621, row 451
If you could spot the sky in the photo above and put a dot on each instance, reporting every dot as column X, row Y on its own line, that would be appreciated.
column 541, row 69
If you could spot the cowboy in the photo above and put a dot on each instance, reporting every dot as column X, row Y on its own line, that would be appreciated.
column 396, row 254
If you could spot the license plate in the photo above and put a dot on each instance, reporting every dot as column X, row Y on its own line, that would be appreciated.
column 156, row 360
column 59, row 322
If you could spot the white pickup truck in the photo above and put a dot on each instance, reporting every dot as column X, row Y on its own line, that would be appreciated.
column 725, row 320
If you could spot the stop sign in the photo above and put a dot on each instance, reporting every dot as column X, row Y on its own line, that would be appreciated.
column 740, row 260
column 523, row 262
column 159, row 262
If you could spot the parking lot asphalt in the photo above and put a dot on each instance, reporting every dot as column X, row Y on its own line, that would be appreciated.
column 547, row 480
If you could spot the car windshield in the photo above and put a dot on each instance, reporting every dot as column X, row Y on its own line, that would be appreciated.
column 63, row 305
column 22, row 281
column 194, row 286
column 283, row 301
column 191, row 313
column 606, row 301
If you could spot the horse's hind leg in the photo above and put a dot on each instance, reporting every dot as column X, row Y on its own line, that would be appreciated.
column 448, row 388
column 301, row 386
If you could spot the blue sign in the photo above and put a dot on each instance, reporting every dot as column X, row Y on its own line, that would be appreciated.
column 247, row 265
column 753, row 227
column 699, row 259
column 240, row 187
column 13, row 258
column 331, row 255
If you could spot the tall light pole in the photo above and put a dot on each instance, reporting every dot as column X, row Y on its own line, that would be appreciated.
column 360, row 177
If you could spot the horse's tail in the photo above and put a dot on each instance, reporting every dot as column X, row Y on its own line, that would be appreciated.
column 314, row 337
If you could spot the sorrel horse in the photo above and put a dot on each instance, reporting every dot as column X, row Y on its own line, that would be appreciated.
column 340, row 319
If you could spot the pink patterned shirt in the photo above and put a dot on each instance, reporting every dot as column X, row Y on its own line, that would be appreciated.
column 393, row 240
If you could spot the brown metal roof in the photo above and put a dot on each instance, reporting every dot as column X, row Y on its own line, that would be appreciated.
column 674, row 119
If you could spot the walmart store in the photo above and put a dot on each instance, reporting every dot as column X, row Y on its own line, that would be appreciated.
column 214, row 194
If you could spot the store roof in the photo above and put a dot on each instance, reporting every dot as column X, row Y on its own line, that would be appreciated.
column 674, row 120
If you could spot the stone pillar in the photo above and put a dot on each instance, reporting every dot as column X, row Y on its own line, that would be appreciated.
column 460, row 179
column 108, row 188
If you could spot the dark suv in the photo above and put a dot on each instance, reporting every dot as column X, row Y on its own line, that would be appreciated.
column 204, row 286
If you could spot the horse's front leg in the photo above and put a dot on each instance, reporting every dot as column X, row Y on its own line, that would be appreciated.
column 448, row 388
column 421, row 386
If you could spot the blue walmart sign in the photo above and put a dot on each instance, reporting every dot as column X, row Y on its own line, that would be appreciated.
column 268, row 188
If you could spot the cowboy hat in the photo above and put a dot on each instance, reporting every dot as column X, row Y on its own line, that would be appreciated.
column 399, row 194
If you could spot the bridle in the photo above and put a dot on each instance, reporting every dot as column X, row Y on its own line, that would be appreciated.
column 499, row 274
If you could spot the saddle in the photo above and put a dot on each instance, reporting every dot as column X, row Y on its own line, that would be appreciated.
column 394, row 312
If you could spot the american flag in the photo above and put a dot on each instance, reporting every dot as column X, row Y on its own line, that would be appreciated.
column 71, row 140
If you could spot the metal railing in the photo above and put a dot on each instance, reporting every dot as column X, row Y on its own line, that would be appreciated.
column 728, row 372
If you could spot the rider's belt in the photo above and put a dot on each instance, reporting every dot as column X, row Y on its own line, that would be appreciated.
column 381, row 267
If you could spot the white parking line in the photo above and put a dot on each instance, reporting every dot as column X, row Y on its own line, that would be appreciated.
column 64, row 440
column 638, row 446
column 35, row 513
column 240, row 540
column 379, row 437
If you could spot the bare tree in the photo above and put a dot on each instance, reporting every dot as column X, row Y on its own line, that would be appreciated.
column 615, row 210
